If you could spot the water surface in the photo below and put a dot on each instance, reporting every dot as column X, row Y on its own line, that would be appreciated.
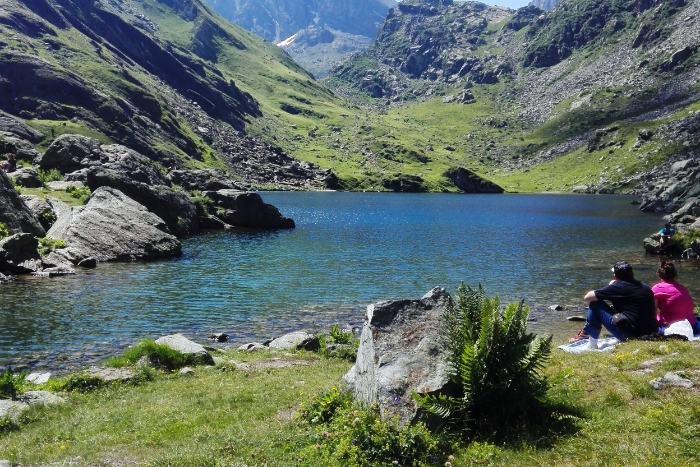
column 348, row 250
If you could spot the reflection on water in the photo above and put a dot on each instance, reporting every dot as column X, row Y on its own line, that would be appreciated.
column 348, row 250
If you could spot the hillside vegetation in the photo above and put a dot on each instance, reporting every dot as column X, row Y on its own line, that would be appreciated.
column 247, row 410
column 586, row 97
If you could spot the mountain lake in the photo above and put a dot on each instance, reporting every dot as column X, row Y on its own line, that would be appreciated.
column 347, row 251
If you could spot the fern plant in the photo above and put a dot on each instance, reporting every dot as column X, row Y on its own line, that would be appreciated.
column 495, row 364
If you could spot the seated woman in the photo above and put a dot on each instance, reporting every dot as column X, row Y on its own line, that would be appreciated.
column 673, row 301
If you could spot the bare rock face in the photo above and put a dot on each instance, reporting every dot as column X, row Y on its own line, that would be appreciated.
column 202, row 180
column 26, row 177
column 173, row 206
column 469, row 182
column 247, row 209
column 399, row 352
column 14, row 213
column 113, row 227
column 18, row 254
column 71, row 153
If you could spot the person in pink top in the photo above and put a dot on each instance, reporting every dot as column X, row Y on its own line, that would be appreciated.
column 673, row 302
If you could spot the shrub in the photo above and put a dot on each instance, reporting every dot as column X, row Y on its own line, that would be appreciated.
column 3, row 231
column 47, row 245
column 47, row 220
column 686, row 239
column 11, row 384
column 82, row 382
column 348, row 436
column 82, row 194
column 160, row 356
column 203, row 204
column 340, row 337
column 494, row 363
column 46, row 176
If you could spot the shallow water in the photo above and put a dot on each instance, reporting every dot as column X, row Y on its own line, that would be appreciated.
column 348, row 250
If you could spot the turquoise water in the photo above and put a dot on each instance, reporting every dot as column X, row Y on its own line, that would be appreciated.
column 348, row 250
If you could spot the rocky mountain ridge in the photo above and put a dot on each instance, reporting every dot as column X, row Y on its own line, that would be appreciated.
column 316, row 33
column 104, row 67
column 552, row 82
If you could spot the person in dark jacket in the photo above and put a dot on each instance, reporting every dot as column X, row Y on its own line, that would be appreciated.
column 633, row 311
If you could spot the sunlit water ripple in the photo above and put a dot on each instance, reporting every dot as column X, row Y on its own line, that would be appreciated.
column 348, row 250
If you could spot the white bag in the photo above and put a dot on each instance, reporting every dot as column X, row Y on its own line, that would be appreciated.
column 682, row 328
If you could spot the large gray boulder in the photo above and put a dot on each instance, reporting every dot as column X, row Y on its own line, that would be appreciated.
column 173, row 206
column 400, row 352
column 26, row 177
column 19, row 255
column 247, row 209
column 16, row 216
column 23, row 149
column 186, row 347
column 112, row 227
column 76, row 153
column 68, row 153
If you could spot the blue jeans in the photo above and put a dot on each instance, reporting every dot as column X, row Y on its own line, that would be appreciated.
column 599, row 315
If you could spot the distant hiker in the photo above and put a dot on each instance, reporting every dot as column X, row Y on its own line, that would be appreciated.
column 673, row 301
column 633, row 311
column 11, row 162
column 10, row 165
column 666, row 233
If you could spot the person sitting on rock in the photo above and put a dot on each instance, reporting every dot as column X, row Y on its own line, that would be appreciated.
column 666, row 233
column 673, row 301
column 633, row 311
column 11, row 162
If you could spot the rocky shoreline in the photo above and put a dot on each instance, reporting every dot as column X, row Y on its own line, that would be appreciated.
column 133, row 209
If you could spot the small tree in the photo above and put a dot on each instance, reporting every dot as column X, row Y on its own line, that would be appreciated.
column 495, row 364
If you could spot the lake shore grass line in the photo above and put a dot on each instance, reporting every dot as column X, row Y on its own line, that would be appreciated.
column 246, row 410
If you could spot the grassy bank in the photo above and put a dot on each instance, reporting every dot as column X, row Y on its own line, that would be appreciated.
column 244, row 411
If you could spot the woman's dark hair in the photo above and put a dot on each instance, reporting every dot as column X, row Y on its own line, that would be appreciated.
column 667, row 271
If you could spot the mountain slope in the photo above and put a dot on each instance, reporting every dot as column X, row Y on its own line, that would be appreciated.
column 537, row 100
column 170, row 79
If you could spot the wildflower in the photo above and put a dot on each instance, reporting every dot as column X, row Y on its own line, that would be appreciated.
column 353, row 441
column 356, row 421
column 448, row 464
column 451, row 457
column 318, row 447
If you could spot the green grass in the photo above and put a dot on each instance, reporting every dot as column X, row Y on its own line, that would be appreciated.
column 61, row 195
column 226, row 415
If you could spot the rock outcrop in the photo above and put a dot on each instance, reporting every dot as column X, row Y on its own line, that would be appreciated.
column 173, row 206
column 113, row 227
column 14, row 213
column 247, row 209
column 469, row 182
column 26, row 177
column 203, row 180
column 298, row 340
column 186, row 347
column 19, row 255
column 400, row 352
